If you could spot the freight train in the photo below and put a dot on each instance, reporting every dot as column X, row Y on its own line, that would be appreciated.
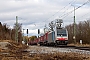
column 59, row 36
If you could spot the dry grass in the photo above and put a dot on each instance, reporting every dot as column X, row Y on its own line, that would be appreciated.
column 55, row 56
column 15, row 52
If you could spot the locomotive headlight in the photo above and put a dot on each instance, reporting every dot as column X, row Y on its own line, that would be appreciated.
column 57, row 38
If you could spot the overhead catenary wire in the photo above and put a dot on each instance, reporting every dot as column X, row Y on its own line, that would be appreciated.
column 65, row 15
column 26, row 19
column 84, row 15
column 68, row 7
column 62, row 9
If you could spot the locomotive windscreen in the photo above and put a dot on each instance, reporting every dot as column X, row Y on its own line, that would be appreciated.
column 61, row 32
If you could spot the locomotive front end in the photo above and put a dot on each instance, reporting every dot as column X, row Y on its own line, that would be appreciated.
column 61, row 37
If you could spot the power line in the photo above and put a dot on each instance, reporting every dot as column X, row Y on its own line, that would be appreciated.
column 27, row 22
column 68, row 7
column 65, row 15
column 73, row 1
column 61, row 9
column 84, row 15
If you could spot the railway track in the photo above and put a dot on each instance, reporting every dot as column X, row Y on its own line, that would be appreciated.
column 83, row 48
column 73, row 47
column 76, row 47
column 64, row 49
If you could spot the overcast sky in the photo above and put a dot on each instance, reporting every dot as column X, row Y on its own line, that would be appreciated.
column 34, row 14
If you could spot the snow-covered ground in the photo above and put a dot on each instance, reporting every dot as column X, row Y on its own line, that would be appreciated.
column 43, row 49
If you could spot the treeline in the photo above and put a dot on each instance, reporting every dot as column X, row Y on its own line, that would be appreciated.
column 82, row 32
column 6, row 33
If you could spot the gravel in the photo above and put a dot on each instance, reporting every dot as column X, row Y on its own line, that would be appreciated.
column 3, row 45
column 43, row 49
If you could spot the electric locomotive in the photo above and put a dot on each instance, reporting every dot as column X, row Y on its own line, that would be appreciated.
column 58, row 36
column 61, row 36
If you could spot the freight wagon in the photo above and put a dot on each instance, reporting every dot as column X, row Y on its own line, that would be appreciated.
column 57, row 37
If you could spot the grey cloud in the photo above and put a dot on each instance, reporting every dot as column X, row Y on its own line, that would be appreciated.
column 39, row 12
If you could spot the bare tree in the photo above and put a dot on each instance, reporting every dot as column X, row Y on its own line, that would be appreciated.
column 82, row 32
